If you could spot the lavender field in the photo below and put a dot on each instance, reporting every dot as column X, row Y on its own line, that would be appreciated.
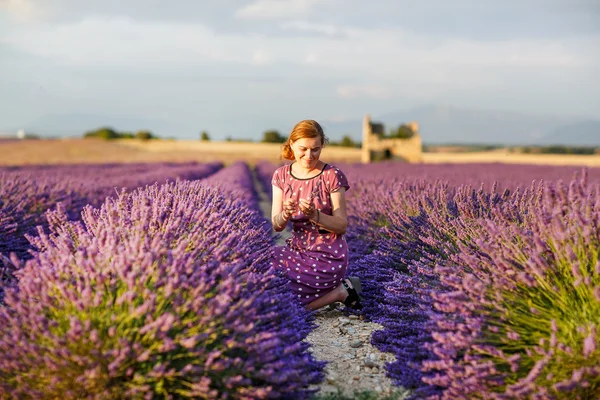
column 153, row 281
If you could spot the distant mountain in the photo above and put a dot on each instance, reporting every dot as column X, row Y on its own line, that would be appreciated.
column 75, row 124
column 584, row 133
column 444, row 124
column 447, row 124
column 437, row 124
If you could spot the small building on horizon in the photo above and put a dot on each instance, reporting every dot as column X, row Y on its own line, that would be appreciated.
column 376, row 147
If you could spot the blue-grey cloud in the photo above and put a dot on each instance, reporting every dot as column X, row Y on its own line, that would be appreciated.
column 481, row 20
column 460, row 18
column 212, row 65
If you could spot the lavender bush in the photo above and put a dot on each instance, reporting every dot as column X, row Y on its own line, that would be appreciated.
column 521, row 314
column 236, row 179
column 23, row 202
column 119, row 174
column 427, row 238
column 503, row 176
column 26, row 193
column 264, row 173
column 163, row 292
column 398, row 275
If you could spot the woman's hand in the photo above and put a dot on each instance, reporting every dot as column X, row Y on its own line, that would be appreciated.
column 289, row 207
column 307, row 208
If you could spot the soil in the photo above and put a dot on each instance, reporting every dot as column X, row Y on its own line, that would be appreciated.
column 353, row 363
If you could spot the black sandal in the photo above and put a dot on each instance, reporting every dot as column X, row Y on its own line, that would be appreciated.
column 353, row 299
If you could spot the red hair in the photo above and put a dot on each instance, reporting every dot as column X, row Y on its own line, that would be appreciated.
column 307, row 128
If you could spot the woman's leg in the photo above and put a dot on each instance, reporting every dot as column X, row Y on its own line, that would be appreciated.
column 337, row 294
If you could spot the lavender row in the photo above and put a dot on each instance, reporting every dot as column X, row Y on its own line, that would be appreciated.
column 27, row 192
column 237, row 180
column 416, row 230
column 451, row 263
column 415, row 233
column 521, row 308
column 80, row 170
column 110, row 176
column 264, row 173
column 165, row 291
column 477, row 175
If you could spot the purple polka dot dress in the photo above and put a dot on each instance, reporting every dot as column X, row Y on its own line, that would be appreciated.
column 314, row 260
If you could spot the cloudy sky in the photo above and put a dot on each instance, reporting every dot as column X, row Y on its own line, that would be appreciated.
column 238, row 67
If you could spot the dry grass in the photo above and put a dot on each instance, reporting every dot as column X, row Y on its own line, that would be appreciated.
column 76, row 151
column 247, row 151
column 503, row 156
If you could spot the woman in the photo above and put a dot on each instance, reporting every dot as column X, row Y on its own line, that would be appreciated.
column 311, row 194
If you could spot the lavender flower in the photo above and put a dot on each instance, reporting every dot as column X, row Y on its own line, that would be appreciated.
column 464, row 258
column 165, row 291
column 26, row 193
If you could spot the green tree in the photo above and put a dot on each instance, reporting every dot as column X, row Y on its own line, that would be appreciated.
column 204, row 136
column 347, row 142
column 402, row 132
column 144, row 135
column 273, row 136
column 105, row 133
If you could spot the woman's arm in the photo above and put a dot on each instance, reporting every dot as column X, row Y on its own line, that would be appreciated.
column 279, row 216
column 338, row 222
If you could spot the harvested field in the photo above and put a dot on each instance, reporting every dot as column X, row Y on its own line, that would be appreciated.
column 77, row 151
column 503, row 156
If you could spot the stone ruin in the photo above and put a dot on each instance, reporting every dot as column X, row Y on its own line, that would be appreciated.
column 376, row 147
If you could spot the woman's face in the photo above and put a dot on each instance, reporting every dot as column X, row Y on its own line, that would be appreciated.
column 307, row 151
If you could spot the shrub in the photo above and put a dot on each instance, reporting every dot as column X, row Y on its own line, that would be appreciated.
column 522, row 309
column 144, row 135
column 23, row 200
column 166, row 292
column 273, row 136
column 402, row 132
column 26, row 193
column 103, row 133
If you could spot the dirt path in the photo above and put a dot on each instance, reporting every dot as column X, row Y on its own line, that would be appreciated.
column 353, row 364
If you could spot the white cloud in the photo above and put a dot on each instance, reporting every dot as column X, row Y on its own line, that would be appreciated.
column 389, row 54
column 276, row 9
column 339, row 57
column 260, row 57
column 305, row 26
column 23, row 10
column 311, row 58
column 122, row 42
